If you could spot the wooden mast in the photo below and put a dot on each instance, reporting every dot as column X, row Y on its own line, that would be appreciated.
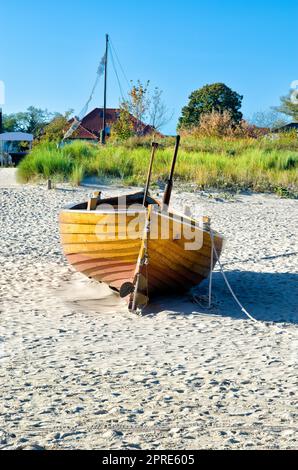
column 103, row 134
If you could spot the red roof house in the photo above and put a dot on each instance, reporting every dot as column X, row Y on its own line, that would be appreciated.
column 91, row 125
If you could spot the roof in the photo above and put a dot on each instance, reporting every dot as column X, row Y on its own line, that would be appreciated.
column 16, row 137
column 93, row 121
column 82, row 133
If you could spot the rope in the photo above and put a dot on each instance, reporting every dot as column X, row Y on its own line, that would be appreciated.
column 116, row 73
column 200, row 300
column 100, row 71
column 226, row 280
column 77, row 120
column 272, row 324
column 211, row 273
column 122, row 70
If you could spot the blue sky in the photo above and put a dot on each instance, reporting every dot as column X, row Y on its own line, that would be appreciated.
column 50, row 50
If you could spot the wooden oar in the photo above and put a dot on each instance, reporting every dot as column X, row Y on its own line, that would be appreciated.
column 154, row 147
column 169, row 187
column 139, row 294
column 137, row 289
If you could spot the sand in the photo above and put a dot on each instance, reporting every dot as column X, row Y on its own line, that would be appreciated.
column 77, row 371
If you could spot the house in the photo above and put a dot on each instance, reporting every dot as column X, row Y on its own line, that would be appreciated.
column 91, row 125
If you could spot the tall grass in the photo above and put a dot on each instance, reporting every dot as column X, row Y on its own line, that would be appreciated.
column 77, row 175
column 43, row 162
column 259, row 165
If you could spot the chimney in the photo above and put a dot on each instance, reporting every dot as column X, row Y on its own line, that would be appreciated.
column 1, row 122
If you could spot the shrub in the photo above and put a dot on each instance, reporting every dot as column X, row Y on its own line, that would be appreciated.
column 215, row 124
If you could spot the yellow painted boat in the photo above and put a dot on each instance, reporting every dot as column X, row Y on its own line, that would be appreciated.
column 138, row 247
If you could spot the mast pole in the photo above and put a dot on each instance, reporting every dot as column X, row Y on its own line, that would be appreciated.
column 103, row 136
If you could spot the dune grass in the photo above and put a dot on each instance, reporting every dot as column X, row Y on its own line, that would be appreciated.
column 236, row 164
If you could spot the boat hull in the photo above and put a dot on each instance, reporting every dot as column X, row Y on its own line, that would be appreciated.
column 99, row 246
column 109, row 247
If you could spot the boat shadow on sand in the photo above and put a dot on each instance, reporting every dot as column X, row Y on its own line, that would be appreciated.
column 270, row 297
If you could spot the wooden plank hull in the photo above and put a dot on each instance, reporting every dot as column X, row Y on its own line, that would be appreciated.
column 106, row 246
column 99, row 246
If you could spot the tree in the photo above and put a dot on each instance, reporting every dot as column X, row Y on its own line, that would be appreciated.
column 10, row 123
column 138, row 103
column 159, row 113
column 123, row 128
column 289, row 106
column 145, row 106
column 217, row 97
column 32, row 121
column 55, row 130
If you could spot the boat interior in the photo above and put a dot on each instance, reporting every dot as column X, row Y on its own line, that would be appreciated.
column 122, row 202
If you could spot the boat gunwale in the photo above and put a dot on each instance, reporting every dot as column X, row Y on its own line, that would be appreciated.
column 70, row 208
column 179, row 217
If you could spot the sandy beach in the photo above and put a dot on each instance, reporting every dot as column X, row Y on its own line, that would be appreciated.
column 80, row 372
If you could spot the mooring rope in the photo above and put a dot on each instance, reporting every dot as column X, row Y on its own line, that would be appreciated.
column 213, row 250
column 211, row 272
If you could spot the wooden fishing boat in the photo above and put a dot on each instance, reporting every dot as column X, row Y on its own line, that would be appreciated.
column 137, row 246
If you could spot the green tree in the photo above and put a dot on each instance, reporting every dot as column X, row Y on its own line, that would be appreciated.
column 123, row 129
column 33, row 120
column 55, row 130
column 289, row 106
column 217, row 97
column 10, row 123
